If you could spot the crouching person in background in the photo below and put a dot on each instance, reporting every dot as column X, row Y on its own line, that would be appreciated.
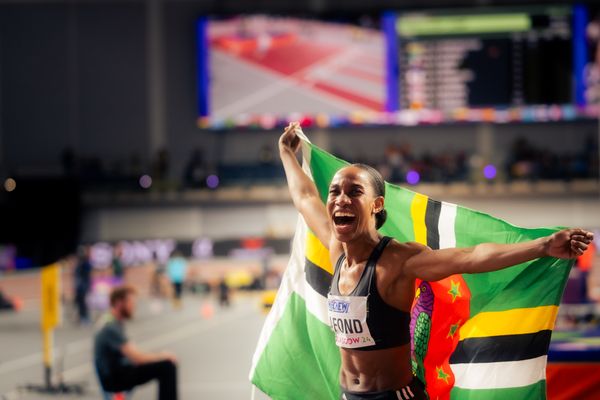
column 119, row 363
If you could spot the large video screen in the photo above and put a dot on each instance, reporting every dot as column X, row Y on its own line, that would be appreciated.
column 496, row 64
column 264, row 69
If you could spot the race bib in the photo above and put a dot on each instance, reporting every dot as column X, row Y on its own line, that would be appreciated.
column 348, row 319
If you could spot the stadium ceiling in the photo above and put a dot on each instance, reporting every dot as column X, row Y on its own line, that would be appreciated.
column 309, row 6
column 353, row 6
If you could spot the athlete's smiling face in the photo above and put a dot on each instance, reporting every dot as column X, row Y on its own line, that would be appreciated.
column 352, row 203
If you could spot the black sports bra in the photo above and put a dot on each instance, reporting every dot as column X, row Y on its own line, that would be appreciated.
column 388, row 326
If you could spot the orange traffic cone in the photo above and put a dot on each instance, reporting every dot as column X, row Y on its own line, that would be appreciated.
column 207, row 310
column 17, row 303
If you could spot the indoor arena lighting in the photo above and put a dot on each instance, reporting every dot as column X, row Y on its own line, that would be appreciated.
column 10, row 184
column 145, row 181
column 212, row 181
column 489, row 172
column 413, row 177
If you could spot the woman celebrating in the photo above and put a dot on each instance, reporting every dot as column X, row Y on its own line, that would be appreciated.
column 373, row 285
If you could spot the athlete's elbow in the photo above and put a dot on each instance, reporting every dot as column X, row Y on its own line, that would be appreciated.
column 470, row 261
column 470, row 266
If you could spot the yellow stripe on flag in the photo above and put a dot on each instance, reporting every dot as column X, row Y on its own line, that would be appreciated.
column 511, row 322
column 317, row 253
column 418, row 208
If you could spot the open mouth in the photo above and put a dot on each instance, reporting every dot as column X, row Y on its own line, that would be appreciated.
column 343, row 218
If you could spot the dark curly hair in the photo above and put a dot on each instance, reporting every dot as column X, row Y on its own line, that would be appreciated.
column 379, row 187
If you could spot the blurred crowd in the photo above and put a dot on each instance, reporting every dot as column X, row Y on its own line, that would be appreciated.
column 399, row 163
column 527, row 161
column 98, row 268
column 93, row 172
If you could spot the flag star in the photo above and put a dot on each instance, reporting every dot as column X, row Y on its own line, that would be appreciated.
column 441, row 374
column 453, row 329
column 454, row 290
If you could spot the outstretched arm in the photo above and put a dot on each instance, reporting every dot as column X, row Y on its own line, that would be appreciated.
column 302, row 189
column 433, row 265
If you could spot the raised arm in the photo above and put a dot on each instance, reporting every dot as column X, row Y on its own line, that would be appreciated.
column 302, row 189
column 433, row 265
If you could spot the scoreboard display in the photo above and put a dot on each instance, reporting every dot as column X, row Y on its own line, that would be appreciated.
column 494, row 59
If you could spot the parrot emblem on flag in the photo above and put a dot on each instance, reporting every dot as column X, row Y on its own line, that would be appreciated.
column 420, row 328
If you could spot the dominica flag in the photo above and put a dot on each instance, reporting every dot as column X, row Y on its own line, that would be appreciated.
column 473, row 336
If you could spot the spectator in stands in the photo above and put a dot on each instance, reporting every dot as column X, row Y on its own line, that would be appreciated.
column 590, row 153
column 136, row 167
column 266, row 155
column 528, row 162
column 520, row 161
column 444, row 166
column 196, row 170
column 119, row 363
column 396, row 162
column 161, row 165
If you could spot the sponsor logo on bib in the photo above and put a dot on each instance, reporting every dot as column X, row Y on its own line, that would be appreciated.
column 339, row 306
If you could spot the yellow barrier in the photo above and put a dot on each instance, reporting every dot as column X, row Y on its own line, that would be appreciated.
column 50, row 312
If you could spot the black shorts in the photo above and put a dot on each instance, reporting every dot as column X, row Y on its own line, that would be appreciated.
column 413, row 391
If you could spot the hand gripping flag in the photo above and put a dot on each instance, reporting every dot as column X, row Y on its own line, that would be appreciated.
column 474, row 336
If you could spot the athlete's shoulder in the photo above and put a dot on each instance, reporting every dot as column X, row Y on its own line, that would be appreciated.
column 406, row 249
column 396, row 254
column 394, row 260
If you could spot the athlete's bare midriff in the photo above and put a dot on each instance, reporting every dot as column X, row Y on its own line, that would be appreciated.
column 376, row 370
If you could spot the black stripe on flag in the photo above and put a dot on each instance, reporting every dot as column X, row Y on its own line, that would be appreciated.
column 432, row 218
column 317, row 278
column 502, row 348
